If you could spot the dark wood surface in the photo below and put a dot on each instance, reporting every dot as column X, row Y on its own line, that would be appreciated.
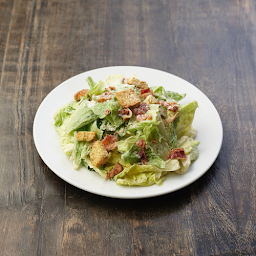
column 210, row 43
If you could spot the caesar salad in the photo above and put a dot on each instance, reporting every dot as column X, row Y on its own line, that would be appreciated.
column 128, row 132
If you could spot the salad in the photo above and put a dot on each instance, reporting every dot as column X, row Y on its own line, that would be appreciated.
column 127, row 131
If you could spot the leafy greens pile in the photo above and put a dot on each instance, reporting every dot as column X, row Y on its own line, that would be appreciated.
column 163, row 129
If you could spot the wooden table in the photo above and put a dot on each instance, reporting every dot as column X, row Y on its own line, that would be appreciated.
column 211, row 44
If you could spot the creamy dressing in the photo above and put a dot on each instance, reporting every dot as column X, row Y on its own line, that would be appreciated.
column 91, row 103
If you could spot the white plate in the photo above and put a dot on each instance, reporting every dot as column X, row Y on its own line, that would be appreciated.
column 207, row 122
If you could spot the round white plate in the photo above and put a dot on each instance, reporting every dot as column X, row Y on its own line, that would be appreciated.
column 207, row 122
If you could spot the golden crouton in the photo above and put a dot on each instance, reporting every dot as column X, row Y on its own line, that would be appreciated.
column 128, row 98
column 135, row 81
column 151, row 99
column 99, row 154
column 86, row 136
column 80, row 94
column 142, row 85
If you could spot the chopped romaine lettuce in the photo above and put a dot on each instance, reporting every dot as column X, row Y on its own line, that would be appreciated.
column 185, row 118
column 156, row 136
column 79, row 118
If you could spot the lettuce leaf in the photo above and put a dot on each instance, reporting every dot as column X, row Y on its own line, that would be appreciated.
column 175, row 96
column 66, row 140
column 184, row 165
column 114, row 119
column 187, row 143
column 64, row 112
column 154, row 159
column 131, row 156
column 100, row 108
column 79, row 118
column 90, row 82
column 76, row 155
column 139, row 175
column 103, row 173
column 125, row 145
column 142, row 179
column 185, row 118
column 172, row 165
column 94, row 128
column 97, row 89
column 194, row 153
column 151, row 132
column 161, row 93
column 172, row 136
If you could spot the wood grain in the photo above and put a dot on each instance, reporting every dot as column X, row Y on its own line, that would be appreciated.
column 211, row 44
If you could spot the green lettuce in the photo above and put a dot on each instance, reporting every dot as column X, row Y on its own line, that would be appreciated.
column 94, row 128
column 142, row 179
column 187, row 143
column 154, row 159
column 185, row 118
column 125, row 145
column 140, row 175
column 76, row 155
column 161, row 93
column 97, row 89
column 79, row 118
column 90, row 82
column 172, row 136
column 66, row 140
column 64, row 112
column 100, row 108
column 131, row 156
column 175, row 96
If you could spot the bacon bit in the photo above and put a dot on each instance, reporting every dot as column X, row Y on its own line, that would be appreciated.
column 107, row 112
column 141, row 109
column 141, row 143
column 104, row 96
column 154, row 141
column 171, row 119
column 110, row 142
column 112, row 88
column 143, row 117
column 117, row 169
column 143, row 156
column 125, row 113
column 175, row 108
column 146, row 92
column 80, row 94
column 172, row 106
column 177, row 153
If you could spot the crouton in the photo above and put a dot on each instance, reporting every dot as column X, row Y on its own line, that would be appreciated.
column 86, row 136
column 135, row 81
column 80, row 94
column 127, row 98
column 143, row 85
column 99, row 154
column 151, row 100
